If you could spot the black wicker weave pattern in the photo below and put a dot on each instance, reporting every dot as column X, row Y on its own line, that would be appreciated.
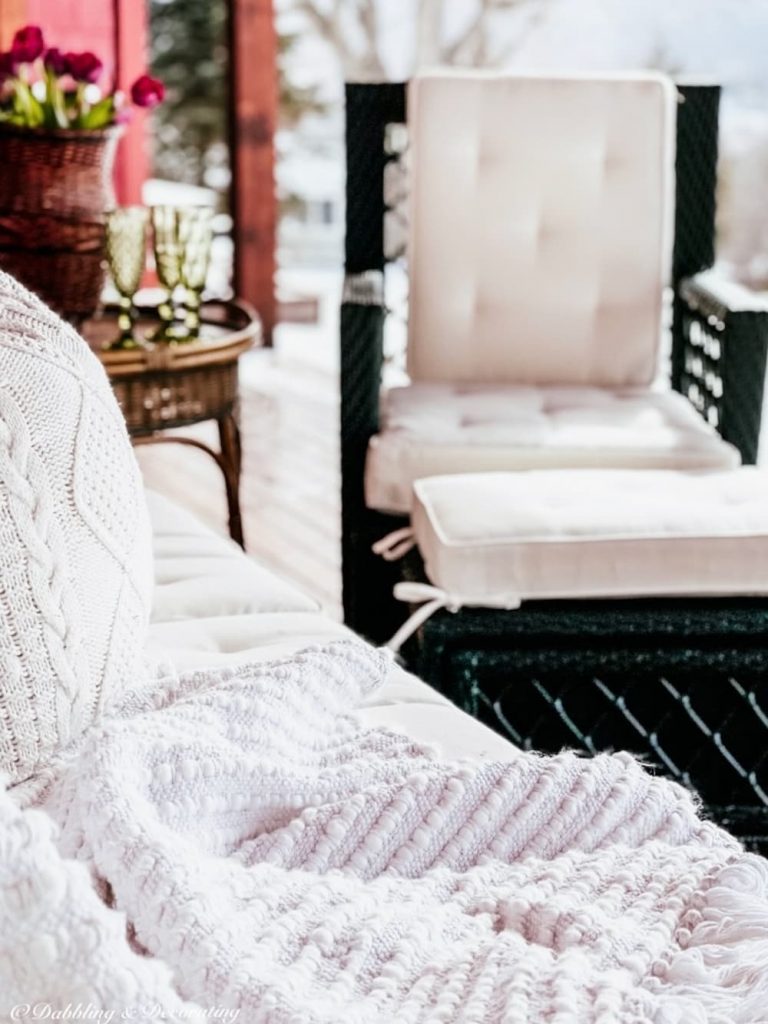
column 724, row 361
column 718, row 354
column 695, row 179
column 367, row 581
column 695, row 200
column 684, row 685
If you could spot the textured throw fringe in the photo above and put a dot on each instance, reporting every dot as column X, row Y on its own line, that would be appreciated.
column 723, row 961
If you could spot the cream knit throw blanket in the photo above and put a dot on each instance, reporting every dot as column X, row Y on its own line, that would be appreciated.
column 279, row 860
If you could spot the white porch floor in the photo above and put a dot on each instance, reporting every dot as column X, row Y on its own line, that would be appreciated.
column 290, row 485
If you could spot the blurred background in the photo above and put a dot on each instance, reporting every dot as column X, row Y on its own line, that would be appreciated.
column 322, row 42
column 207, row 50
column 253, row 124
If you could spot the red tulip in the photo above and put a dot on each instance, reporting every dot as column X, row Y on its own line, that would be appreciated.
column 8, row 66
column 56, row 61
column 147, row 91
column 84, row 67
column 27, row 44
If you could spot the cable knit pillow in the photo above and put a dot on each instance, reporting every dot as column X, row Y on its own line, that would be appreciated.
column 75, row 556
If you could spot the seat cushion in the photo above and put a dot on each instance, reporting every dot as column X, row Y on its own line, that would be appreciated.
column 432, row 429
column 201, row 574
column 498, row 538
column 540, row 227
column 214, row 606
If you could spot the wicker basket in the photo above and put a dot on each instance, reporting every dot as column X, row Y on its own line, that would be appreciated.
column 55, row 191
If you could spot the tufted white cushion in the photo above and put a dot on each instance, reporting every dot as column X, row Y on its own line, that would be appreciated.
column 277, row 622
column 432, row 429
column 75, row 556
column 541, row 212
column 495, row 538
column 198, row 572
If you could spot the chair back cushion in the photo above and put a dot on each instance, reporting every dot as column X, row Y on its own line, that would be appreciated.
column 541, row 227
column 75, row 549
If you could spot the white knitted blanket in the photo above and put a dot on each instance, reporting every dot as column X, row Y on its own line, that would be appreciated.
column 273, row 858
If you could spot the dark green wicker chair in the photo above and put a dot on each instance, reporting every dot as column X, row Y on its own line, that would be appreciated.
column 682, row 682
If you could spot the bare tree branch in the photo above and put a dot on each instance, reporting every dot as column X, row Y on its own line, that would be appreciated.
column 324, row 24
column 536, row 14
column 369, row 24
column 473, row 45
column 428, row 31
column 357, row 63
column 344, row 23
column 468, row 40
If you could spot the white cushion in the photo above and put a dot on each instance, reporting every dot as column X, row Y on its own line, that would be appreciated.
column 433, row 429
column 496, row 538
column 215, row 606
column 198, row 572
column 540, row 227
column 75, row 556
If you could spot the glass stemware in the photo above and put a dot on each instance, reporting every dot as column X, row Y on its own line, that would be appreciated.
column 196, row 233
column 126, row 256
column 168, row 249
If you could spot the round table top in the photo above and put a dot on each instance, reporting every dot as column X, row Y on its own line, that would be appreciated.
column 228, row 328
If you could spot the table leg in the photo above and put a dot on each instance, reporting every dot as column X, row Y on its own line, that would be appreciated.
column 231, row 463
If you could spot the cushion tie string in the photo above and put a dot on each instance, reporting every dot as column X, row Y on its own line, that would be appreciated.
column 430, row 598
column 433, row 599
column 395, row 544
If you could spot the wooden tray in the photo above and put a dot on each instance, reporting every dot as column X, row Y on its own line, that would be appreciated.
column 227, row 329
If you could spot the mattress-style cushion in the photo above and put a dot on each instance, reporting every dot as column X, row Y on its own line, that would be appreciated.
column 214, row 606
column 499, row 538
column 199, row 573
column 540, row 227
column 435, row 429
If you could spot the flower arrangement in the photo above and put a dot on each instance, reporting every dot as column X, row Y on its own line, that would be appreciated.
column 41, row 87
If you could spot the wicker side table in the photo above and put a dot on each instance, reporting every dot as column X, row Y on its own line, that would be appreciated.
column 163, row 387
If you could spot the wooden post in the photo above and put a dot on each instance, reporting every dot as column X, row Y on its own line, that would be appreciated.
column 253, row 106
column 131, row 56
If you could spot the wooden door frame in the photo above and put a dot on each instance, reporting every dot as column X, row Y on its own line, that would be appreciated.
column 253, row 107
column 131, row 57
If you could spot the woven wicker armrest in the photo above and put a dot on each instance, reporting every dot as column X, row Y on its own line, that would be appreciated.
column 725, row 332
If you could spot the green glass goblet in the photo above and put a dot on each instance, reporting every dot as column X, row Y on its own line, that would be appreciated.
column 126, row 256
column 168, row 249
column 196, row 233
